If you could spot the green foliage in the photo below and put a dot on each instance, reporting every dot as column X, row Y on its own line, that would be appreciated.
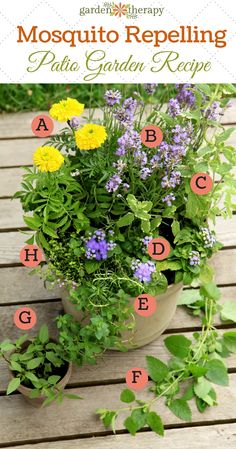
column 38, row 364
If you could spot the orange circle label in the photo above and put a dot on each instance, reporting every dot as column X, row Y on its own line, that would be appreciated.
column 159, row 248
column 31, row 255
column 201, row 183
column 42, row 126
column 145, row 305
column 136, row 378
column 151, row 136
column 25, row 318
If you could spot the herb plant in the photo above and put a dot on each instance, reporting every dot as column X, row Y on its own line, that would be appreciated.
column 38, row 364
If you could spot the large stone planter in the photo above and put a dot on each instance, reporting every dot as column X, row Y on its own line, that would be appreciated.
column 146, row 329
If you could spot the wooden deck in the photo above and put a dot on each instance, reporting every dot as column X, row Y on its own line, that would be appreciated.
column 73, row 425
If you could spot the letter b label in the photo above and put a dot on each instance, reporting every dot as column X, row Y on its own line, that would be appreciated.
column 151, row 136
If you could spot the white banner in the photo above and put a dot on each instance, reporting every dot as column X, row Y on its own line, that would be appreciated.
column 106, row 42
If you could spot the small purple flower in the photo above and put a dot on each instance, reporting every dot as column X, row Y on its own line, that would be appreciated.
column 213, row 111
column 97, row 246
column 172, row 181
column 120, row 165
column 150, row 88
column 208, row 237
column 113, row 184
column 140, row 158
column 112, row 97
column 124, row 116
column 130, row 104
column 145, row 173
column 174, row 107
column 143, row 270
column 145, row 242
column 130, row 140
column 194, row 258
column 126, row 186
column 185, row 95
column 74, row 122
column 168, row 199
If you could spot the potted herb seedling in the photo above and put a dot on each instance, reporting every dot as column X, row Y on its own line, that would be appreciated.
column 37, row 368
column 98, row 196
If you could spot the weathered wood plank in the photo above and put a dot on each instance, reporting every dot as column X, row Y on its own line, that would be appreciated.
column 18, row 152
column 11, row 214
column 113, row 365
column 18, row 125
column 17, row 287
column 219, row 437
column 20, row 422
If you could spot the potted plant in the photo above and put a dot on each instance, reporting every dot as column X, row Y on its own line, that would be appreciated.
column 38, row 369
column 97, row 198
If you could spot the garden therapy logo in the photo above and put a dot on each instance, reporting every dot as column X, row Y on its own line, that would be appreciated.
column 128, row 10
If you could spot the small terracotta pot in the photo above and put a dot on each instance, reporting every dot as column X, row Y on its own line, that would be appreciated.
column 37, row 402
column 146, row 329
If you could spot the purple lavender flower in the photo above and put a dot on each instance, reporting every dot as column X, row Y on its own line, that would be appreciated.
column 124, row 116
column 172, row 181
column 150, row 88
column 208, row 237
column 130, row 140
column 145, row 173
column 130, row 104
column 140, row 158
column 154, row 162
column 113, row 184
column 112, row 97
column 213, row 111
column 168, row 199
column 143, row 270
column 185, row 95
column 97, row 246
column 174, row 107
column 74, row 122
column 194, row 258
column 119, row 165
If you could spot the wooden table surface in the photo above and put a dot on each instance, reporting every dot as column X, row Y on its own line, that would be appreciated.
column 73, row 424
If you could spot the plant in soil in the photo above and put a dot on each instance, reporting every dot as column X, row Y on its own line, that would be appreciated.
column 37, row 364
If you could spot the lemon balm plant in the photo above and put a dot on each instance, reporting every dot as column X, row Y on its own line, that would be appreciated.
column 97, row 196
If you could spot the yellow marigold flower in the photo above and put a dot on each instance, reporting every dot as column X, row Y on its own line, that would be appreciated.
column 66, row 109
column 90, row 136
column 48, row 159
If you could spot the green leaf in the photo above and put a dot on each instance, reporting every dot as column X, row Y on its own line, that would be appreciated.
column 178, row 345
column 202, row 387
column 210, row 290
column 15, row 366
column 91, row 266
column 217, row 372
column 145, row 226
column 126, row 220
column 34, row 363
column 155, row 423
column 30, row 241
column 72, row 396
column 31, row 377
column 43, row 334
column 139, row 418
column 49, row 231
column 181, row 409
column 230, row 340
column 6, row 346
column 127, row 396
column 224, row 135
column 32, row 222
column 53, row 380
column 188, row 297
column 175, row 227
column 13, row 385
column 157, row 370
column 130, row 425
column 197, row 370
column 228, row 311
